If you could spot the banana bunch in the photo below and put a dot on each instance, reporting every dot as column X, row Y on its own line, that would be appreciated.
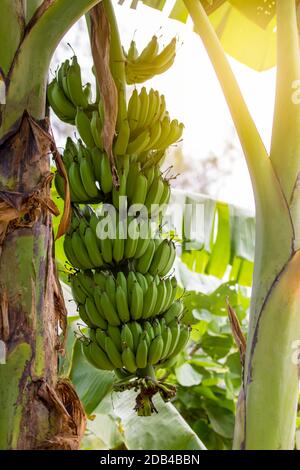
column 150, row 125
column 87, row 245
column 150, row 62
column 89, row 173
column 66, row 93
column 135, row 346
column 147, row 186
column 105, row 300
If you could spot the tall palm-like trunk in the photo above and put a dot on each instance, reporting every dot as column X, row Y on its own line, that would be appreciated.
column 38, row 410
column 267, row 407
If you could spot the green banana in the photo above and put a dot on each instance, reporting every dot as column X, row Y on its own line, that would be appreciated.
column 140, row 191
column 122, row 281
column 128, row 360
column 83, row 315
column 81, row 252
column 118, row 244
column 136, row 302
column 106, row 249
column 86, row 281
column 160, row 258
column 150, row 301
column 68, row 248
column 161, row 298
column 132, row 240
column 76, row 185
column 164, row 271
column 142, row 282
column 78, row 294
column 122, row 304
column 174, row 311
column 100, row 338
column 136, row 330
column 75, row 87
column 96, row 156
column 97, row 357
column 115, row 334
column 96, row 130
column 109, row 310
column 167, row 340
column 182, row 341
column 84, row 128
column 155, row 350
column 144, row 263
column 95, row 318
column 106, row 183
column 110, row 288
column 142, row 354
column 92, row 247
column 127, row 337
column 60, row 103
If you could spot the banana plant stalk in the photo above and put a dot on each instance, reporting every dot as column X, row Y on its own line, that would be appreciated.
column 34, row 402
column 267, row 406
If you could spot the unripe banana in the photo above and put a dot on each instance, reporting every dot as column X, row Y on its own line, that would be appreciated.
column 92, row 247
column 76, row 185
column 150, row 301
column 122, row 281
column 100, row 280
column 144, row 101
column 142, row 354
column 122, row 139
column 155, row 350
column 106, row 249
column 109, row 310
column 131, row 280
column 144, row 263
column 149, row 329
column 173, row 312
column 133, row 110
column 78, row 294
column 182, row 341
column 96, row 156
column 115, row 334
column 95, row 318
column 69, row 251
column 136, row 302
column 118, row 244
column 161, row 298
column 175, row 333
column 142, row 282
column 122, row 304
column 140, row 191
column 132, row 240
column 136, row 330
column 106, row 183
column 110, row 288
column 142, row 246
column 160, row 258
column 139, row 144
column 96, row 356
column 167, row 340
column 60, row 104
column 86, row 281
column 97, row 300
column 128, row 360
column 84, row 128
column 100, row 338
column 127, row 337
column 154, row 193
column 75, row 87
column 96, row 130
column 83, row 315
column 81, row 252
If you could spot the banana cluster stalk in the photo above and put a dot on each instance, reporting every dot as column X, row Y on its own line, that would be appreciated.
column 121, row 282
column 151, row 128
column 150, row 62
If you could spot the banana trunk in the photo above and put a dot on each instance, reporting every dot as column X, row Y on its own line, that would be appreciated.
column 267, row 406
column 34, row 401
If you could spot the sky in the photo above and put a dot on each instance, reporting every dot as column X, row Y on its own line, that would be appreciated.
column 192, row 91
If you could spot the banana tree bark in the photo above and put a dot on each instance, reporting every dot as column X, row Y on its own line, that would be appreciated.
column 39, row 410
column 267, row 406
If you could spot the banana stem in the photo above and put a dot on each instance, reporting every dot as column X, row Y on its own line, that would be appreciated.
column 117, row 61
column 147, row 372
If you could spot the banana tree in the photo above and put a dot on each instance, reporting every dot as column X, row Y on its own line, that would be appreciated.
column 267, row 406
column 37, row 409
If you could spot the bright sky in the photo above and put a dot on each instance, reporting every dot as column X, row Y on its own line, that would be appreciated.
column 192, row 91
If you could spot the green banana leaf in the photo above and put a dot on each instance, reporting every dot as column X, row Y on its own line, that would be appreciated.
column 246, row 28
column 225, row 241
